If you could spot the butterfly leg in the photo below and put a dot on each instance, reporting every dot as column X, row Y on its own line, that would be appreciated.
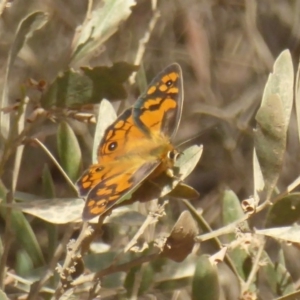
column 171, row 173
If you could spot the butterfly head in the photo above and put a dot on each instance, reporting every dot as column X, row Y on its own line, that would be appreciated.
column 173, row 155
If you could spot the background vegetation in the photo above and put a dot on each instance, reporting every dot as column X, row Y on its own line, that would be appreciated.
column 59, row 59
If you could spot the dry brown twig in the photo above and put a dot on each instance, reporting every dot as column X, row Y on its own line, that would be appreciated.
column 145, row 39
column 33, row 294
column 151, row 218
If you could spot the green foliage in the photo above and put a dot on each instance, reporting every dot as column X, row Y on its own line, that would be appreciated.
column 205, row 284
column 73, row 89
column 26, row 28
column 101, row 24
column 232, row 212
column 145, row 248
column 68, row 150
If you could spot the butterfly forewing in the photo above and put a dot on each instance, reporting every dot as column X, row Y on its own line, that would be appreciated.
column 118, row 136
column 159, row 108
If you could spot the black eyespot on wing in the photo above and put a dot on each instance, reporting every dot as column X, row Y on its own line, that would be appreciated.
column 169, row 83
column 112, row 146
column 99, row 169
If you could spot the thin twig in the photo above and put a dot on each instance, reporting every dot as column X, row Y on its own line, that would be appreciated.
column 136, row 284
column 292, row 296
column 256, row 38
column 56, row 163
column 73, row 252
column 115, row 268
column 151, row 218
column 19, row 124
column 206, row 228
column 53, row 263
column 230, row 228
column 255, row 267
column 79, row 28
column 12, row 143
column 144, row 40
column 26, row 282
column 3, row 5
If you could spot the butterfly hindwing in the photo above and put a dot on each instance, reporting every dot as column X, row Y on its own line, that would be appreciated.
column 95, row 174
column 86, row 182
column 115, row 186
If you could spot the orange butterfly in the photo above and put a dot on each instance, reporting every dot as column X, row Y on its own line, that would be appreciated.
column 136, row 146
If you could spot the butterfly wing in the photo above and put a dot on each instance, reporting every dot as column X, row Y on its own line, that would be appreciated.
column 89, row 179
column 118, row 137
column 115, row 181
column 159, row 108
column 121, row 166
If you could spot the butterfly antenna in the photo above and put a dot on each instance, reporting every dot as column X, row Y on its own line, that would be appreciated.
column 196, row 136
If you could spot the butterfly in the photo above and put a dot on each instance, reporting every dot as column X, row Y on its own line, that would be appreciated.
column 136, row 146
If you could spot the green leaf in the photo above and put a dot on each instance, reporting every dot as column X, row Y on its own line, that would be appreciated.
column 55, row 211
column 49, row 191
column 270, row 141
column 146, row 276
column 71, row 89
column 170, row 272
column 68, row 210
column 205, row 284
column 68, row 150
column 231, row 212
column 272, row 122
column 130, row 279
column 106, row 116
column 23, row 263
column 26, row 237
column 188, row 160
column 26, row 28
column 284, row 212
column 281, row 83
column 99, row 26
column 184, row 191
column 297, row 99
column 100, row 261
column 181, row 240
column 3, row 296
column 232, row 209
column 23, row 232
column 48, row 184
column 258, row 179
column 74, row 89
column 277, row 276
column 107, row 81
column 288, row 233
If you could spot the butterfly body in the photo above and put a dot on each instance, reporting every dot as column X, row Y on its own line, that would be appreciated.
column 136, row 146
